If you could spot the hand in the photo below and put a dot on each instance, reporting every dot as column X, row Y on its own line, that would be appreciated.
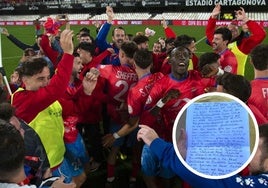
column 171, row 94
column 182, row 143
column 111, row 50
column 164, row 23
column 108, row 140
column 66, row 41
column 15, row 78
column 241, row 15
column 90, row 80
column 110, row 14
column 209, row 70
column 1, row 80
column 60, row 184
column 146, row 134
column 5, row 32
column 216, row 11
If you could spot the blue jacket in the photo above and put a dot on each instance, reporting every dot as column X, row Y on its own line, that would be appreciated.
column 167, row 155
column 102, row 44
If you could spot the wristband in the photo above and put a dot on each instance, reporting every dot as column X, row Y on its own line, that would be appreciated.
column 116, row 136
column 160, row 103
column 220, row 72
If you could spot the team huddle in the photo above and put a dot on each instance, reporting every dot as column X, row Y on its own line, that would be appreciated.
column 69, row 102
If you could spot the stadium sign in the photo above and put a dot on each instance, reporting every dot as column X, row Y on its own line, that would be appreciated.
column 226, row 2
column 89, row 5
column 151, row 3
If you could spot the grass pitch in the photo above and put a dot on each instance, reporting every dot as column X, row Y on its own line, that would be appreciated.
column 11, row 54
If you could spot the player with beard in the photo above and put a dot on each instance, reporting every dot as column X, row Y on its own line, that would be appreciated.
column 241, row 44
column 118, row 37
column 221, row 38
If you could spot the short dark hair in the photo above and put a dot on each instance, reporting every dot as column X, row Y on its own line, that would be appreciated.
column 84, row 30
column 183, row 40
column 87, row 47
column 6, row 111
column 138, row 39
column 207, row 58
column 121, row 28
column 33, row 66
column 235, row 85
column 225, row 32
column 143, row 58
column 129, row 48
column 259, row 57
column 12, row 151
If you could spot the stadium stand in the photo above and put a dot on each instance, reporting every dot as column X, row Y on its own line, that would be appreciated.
column 257, row 16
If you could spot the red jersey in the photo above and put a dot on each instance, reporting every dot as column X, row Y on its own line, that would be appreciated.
column 119, row 79
column 95, row 62
column 259, row 95
column 228, row 61
column 29, row 103
column 247, row 43
column 138, row 94
column 189, row 88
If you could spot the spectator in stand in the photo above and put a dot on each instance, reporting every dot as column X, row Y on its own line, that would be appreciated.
column 12, row 173
column 240, row 44
column 165, row 152
column 43, row 113
column 259, row 95
column 119, row 79
column 118, row 37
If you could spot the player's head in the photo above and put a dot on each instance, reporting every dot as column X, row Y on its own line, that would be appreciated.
column 233, row 27
column 7, row 113
column 127, row 51
column 186, row 41
column 210, row 58
column 143, row 58
column 259, row 57
column 35, row 73
column 179, row 60
column 222, row 36
column 86, row 51
column 235, row 85
column 118, row 36
column 142, row 41
column 12, row 152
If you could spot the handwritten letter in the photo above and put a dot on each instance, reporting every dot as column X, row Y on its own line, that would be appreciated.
column 218, row 137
